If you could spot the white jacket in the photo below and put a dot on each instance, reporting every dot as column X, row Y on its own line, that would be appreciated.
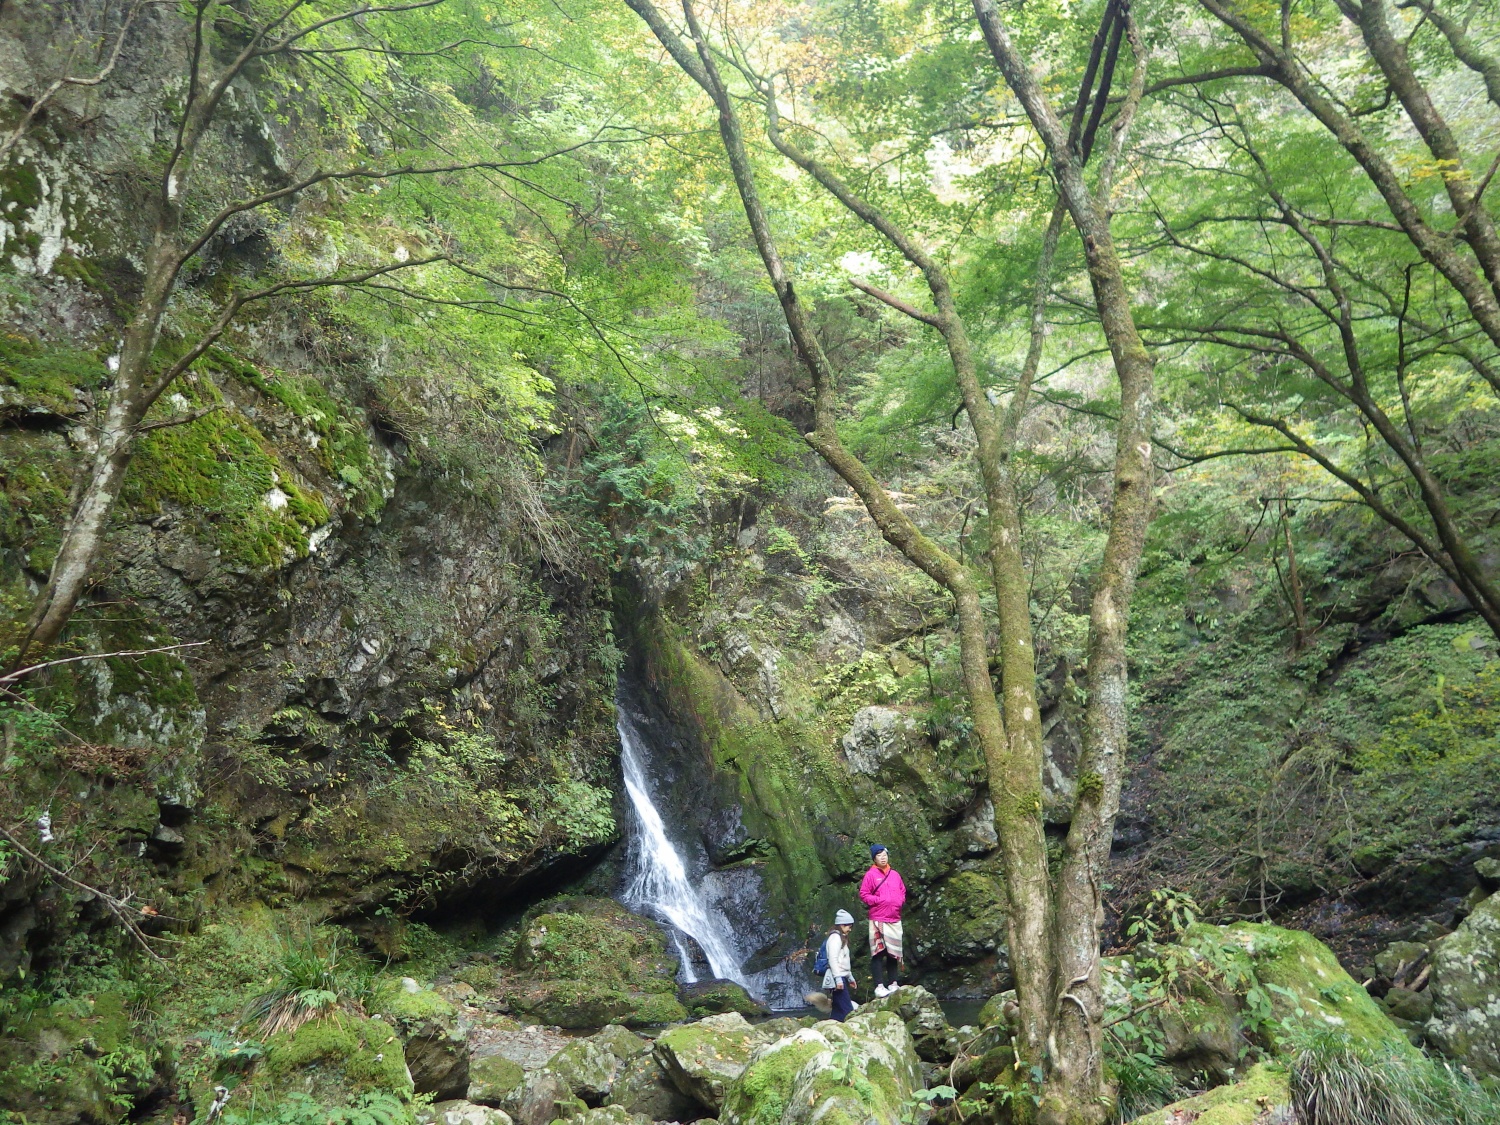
column 837, row 949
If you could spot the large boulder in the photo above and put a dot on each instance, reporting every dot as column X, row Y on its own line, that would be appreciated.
column 919, row 1010
column 493, row 1078
column 1465, row 988
column 1256, row 1098
column 543, row 1097
column 624, row 1045
column 434, row 1039
column 703, row 1058
column 1304, row 983
column 643, row 1087
column 586, row 962
column 587, row 1069
column 860, row 1072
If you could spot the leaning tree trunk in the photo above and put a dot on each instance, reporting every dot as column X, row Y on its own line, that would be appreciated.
column 129, row 399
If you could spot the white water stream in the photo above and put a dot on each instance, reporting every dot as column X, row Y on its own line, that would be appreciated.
column 659, row 885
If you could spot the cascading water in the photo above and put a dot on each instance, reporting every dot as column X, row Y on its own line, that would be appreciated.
column 658, row 878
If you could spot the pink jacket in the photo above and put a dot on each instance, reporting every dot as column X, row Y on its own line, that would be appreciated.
column 883, row 894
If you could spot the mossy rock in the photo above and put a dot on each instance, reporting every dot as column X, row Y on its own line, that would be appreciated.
column 624, row 1045
column 493, row 1078
column 587, row 1069
column 643, row 1087
column 1465, row 990
column 432, row 1036
column 999, row 1010
column 336, row 1056
column 76, row 1061
column 1307, row 986
column 580, row 1005
column 764, row 1090
column 919, row 1010
column 713, row 997
column 703, row 1058
column 1263, row 1088
column 407, row 1007
column 864, row 1070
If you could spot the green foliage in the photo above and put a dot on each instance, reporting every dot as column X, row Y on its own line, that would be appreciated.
column 375, row 1108
column 311, row 982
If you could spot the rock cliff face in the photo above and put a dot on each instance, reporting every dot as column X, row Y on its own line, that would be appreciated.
column 398, row 690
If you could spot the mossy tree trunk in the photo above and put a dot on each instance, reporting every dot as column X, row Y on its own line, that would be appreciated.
column 1077, row 1088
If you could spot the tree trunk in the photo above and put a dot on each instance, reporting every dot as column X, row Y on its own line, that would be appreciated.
column 129, row 399
column 1077, row 1090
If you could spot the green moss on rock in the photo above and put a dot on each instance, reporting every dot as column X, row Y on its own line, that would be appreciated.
column 244, row 497
column 337, row 1053
column 1307, row 986
column 1243, row 1103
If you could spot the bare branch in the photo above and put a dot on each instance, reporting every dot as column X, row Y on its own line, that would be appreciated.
column 12, row 677
column 895, row 302
column 46, row 95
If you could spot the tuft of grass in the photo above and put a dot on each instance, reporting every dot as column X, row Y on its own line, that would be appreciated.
column 310, row 983
column 1334, row 1081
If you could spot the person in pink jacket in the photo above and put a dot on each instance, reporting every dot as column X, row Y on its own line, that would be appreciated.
column 883, row 893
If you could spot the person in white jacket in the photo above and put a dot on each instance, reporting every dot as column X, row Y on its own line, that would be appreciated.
column 838, row 981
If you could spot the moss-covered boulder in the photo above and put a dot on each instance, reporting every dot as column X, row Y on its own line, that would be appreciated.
column 714, row 997
column 76, row 1061
column 1254, row 1099
column 1000, row 1008
column 544, row 1096
column 587, row 1069
column 1306, row 985
column 703, row 1058
column 586, row 962
column 336, row 1056
column 624, row 1045
column 1465, row 988
column 493, row 1078
column 643, row 1087
column 919, row 1010
column 861, row 1071
column 434, row 1039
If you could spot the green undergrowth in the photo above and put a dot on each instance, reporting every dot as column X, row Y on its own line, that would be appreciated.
column 46, row 377
column 241, row 494
column 342, row 443
column 1336, row 765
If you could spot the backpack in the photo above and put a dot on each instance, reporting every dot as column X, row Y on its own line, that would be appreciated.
column 820, row 962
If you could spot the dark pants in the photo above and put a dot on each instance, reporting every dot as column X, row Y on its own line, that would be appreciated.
column 878, row 965
column 842, row 1002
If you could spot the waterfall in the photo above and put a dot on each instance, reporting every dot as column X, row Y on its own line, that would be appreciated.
column 658, row 878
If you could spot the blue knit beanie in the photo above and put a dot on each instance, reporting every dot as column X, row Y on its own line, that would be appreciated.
column 876, row 849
